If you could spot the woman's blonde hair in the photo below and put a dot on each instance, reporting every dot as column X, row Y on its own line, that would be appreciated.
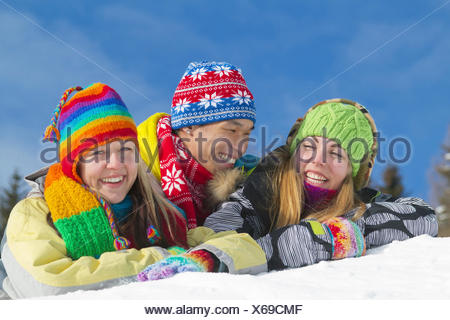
column 150, row 207
column 289, row 195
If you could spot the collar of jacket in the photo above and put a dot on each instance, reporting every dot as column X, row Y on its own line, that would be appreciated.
column 148, row 143
column 225, row 182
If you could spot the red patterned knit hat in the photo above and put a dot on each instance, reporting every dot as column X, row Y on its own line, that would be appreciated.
column 211, row 92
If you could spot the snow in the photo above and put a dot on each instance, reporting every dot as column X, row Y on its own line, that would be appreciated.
column 417, row 268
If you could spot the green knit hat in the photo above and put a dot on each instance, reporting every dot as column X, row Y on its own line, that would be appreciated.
column 344, row 121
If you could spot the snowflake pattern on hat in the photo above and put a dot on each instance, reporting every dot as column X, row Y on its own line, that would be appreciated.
column 211, row 92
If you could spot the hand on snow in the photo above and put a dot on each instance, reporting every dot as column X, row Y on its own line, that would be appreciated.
column 195, row 261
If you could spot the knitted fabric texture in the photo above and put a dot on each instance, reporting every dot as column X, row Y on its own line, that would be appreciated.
column 122, row 209
column 195, row 261
column 347, row 238
column 211, row 92
column 183, row 178
column 175, row 250
column 92, row 117
column 77, row 215
column 344, row 123
column 316, row 197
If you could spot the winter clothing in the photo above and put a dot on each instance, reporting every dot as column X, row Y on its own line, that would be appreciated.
column 347, row 238
column 193, row 193
column 211, row 92
column 187, row 193
column 386, row 219
column 37, row 262
column 347, row 122
column 93, row 117
column 122, row 209
column 3, row 275
column 79, row 216
column 317, row 198
column 195, row 261
column 342, row 122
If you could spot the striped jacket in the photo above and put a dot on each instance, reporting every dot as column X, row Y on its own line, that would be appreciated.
column 386, row 219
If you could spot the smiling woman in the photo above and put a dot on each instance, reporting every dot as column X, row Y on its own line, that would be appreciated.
column 323, row 163
column 307, row 201
column 98, row 170
column 110, row 169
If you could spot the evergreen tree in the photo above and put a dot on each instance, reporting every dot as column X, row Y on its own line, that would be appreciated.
column 9, row 197
column 392, row 181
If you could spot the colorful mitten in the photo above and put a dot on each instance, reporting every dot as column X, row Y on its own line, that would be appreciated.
column 348, row 241
column 176, row 250
column 195, row 261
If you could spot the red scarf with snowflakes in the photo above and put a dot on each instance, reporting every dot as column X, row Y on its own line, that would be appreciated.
column 183, row 179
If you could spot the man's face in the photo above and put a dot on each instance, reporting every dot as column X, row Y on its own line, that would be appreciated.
column 218, row 145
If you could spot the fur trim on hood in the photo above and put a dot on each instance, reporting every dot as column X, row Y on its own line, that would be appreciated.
column 222, row 185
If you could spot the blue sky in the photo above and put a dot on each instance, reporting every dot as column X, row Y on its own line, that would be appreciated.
column 392, row 57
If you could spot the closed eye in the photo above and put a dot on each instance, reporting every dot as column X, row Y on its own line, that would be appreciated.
column 96, row 153
column 336, row 154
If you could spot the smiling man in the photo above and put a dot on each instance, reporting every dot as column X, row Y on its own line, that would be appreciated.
column 213, row 114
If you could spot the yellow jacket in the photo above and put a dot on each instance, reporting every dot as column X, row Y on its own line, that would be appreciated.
column 36, row 261
column 148, row 143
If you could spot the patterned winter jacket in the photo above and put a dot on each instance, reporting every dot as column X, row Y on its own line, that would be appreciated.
column 385, row 220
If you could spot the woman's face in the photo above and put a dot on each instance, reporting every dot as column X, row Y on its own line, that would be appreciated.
column 110, row 169
column 323, row 163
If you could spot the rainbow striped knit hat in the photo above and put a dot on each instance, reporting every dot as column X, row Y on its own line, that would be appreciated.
column 211, row 92
column 93, row 117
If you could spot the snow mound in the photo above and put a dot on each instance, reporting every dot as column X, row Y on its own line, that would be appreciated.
column 417, row 268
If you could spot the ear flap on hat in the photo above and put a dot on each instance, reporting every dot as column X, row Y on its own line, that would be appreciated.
column 365, row 169
column 362, row 177
column 293, row 132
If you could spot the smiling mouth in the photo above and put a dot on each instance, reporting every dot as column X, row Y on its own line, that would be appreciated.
column 113, row 180
column 315, row 178
column 226, row 158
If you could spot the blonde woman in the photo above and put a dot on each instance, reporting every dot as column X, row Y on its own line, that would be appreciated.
column 306, row 201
